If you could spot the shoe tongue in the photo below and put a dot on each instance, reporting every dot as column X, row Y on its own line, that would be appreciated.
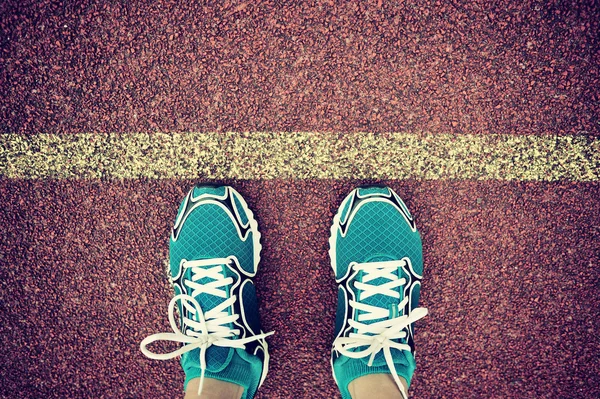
column 217, row 357
column 385, row 302
column 381, row 300
column 209, row 301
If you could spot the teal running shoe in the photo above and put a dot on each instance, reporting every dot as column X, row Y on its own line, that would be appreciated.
column 214, row 254
column 377, row 257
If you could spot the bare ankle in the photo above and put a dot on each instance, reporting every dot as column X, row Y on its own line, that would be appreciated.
column 213, row 389
column 376, row 386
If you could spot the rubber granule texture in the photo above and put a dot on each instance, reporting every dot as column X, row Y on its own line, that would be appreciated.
column 510, row 283
column 522, row 67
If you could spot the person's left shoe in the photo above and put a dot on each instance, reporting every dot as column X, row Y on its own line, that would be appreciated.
column 214, row 254
column 377, row 257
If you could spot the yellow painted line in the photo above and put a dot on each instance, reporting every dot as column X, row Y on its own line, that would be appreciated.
column 300, row 155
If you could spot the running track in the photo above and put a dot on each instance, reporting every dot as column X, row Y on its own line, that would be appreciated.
column 511, row 258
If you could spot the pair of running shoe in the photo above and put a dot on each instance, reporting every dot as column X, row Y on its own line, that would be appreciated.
column 376, row 255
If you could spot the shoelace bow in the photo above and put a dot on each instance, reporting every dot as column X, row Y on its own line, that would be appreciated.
column 380, row 335
column 212, row 327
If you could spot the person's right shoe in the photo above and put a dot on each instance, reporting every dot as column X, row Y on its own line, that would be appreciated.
column 377, row 257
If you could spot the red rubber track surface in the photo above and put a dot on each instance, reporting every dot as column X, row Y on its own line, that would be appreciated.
column 511, row 276
column 511, row 284
column 522, row 67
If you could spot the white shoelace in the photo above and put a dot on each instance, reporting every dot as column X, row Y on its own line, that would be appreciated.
column 211, row 327
column 379, row 335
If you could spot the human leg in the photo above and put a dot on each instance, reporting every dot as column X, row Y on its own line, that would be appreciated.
column 376, row 386
column 213, row 389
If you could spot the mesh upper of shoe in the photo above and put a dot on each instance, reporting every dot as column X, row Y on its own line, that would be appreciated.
column 208, row 228
column 377, row 231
